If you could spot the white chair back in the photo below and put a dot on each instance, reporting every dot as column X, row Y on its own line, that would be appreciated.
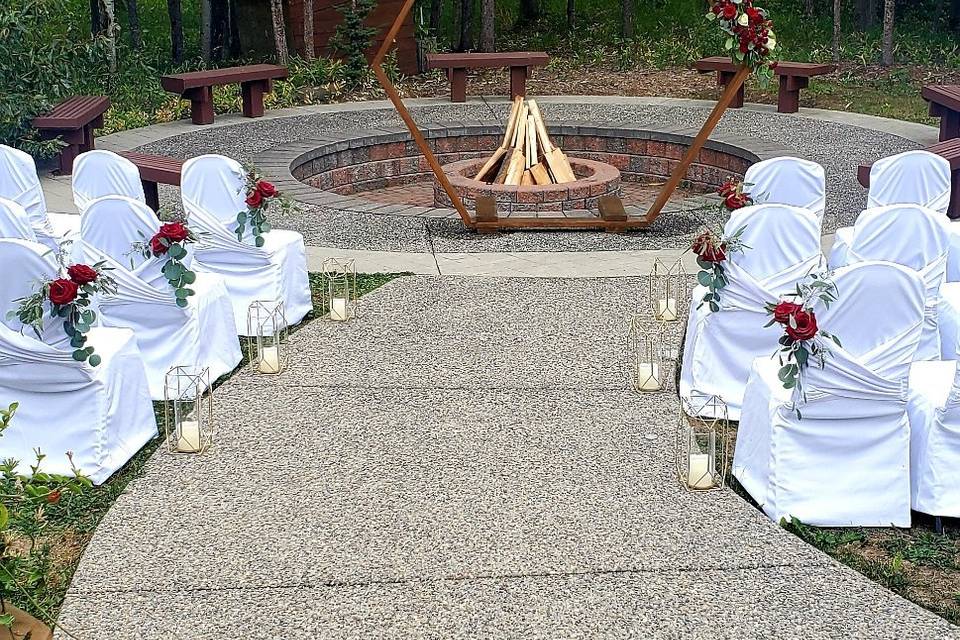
column 14, row 221
column 26, row 264
column 19, row 182
column 779, row 237
column 109, row 228
column 215, row 184
column 913, row 177
column 785, row 180
column 101, row 173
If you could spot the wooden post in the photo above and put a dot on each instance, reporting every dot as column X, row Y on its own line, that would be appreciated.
column 377, row 65
column 677, row 176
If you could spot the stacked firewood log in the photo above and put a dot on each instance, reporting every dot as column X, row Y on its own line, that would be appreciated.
column 526, row 156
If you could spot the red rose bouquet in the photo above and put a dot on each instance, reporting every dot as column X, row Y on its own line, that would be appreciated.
column 712, row 250
column 750, row 39
column 734, row 195
column 171, row 241
column 260, row 196
column 69, row 297
column 801, row 340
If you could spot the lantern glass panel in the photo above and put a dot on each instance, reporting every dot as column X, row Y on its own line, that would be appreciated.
column 669, row 295
column 188, row 409
column 267, row 328
column 702, row 441
column 340, row 283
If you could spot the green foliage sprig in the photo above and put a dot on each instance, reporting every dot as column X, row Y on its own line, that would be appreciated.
column 260, row 196
column 712, row 250
column 170, row 241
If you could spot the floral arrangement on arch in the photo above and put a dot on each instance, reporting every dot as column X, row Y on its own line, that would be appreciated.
column 712, row 250
column 802, row 340
column 750, row 39
column 69, row 297
column 260, row 195
column 170, row 243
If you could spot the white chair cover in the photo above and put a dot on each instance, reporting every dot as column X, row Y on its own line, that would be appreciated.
column 913, row 177
column 934, row 410
column 793, row 181
column 14, row 222
column 719, row 347
column 19, row 182
column 101, row 173
column 202, row 334
column 102, row 414
column 846, row 461
column 213, row 194
column 916, row 238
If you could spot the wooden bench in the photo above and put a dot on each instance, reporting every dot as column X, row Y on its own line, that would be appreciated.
column 457, row 64
column 949, row 149
column 197, row 87
column 155, row 170
column 794, row 76
column 73, row 120
column 944, row 104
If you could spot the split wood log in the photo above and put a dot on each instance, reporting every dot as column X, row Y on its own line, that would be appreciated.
column 491, row 164
column 540, row 174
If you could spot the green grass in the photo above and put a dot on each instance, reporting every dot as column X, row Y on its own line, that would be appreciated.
column 71, row 522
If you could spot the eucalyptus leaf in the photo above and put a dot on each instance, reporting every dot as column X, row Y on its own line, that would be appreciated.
column 94, row 360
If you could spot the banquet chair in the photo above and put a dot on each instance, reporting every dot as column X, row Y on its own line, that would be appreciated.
column 213, row 189
column 14, row 222
column 101, row 173
column 102, row 414
column 913, row 177
column 785, row 180
column 19, row 182
column 844, row 459
column 200, row 334
column 784, row 246
column 916, row 238
column 933, row 406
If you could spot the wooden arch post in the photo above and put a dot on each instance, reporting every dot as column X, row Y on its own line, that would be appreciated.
column 681, row 170
column 377, row 65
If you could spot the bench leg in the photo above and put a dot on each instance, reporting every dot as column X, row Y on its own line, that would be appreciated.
column 518, row 82
column 88, row 140
column 201, row 104
column 949, row 125
column 788, row 100
column 151, row 194
column 67, row 156
column 253, row 97
column 723, row 79
column 953, row 211
column 458, row 85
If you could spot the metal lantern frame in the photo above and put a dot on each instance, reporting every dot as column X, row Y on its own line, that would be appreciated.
column 267, row 330
column 703, row 443
column 652, row 361
column 188, row 410
column 669, row 283
column 340, row 287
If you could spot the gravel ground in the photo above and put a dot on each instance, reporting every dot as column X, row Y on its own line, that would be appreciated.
column 839, row 148
column 462, row 461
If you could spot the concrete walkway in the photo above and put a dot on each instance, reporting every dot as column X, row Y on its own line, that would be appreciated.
column 463, row 461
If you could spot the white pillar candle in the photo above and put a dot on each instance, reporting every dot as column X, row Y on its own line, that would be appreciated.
column 667, row 309
column 648, row 376
column 699, row 475
column 189, row 441
column 270, row 360
column 339, row 310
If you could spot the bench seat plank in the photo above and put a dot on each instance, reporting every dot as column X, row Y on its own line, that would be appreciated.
column 73, row 121
column 949, row 150
column 155, row 170
column 457, row 64
column 793, row 76
column 197, row 86
column 944, row 104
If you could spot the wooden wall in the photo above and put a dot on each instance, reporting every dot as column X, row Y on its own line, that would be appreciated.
column 326, row 18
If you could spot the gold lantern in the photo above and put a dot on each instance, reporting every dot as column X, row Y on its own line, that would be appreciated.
column 669, row 294
column 267, row 334
column 651, row 367
column 340, row 284
column 188, row 409
column 702, row 443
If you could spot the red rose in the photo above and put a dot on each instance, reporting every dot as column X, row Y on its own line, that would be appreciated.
column 174, row 231
column 158, row 246
column 730, row 11
column 736, row 201
column 806, row 325
column 706, row 247
column 266, row 189
column 783, row 311
column 255, row 199
column 63, row 291
column 81, row 274
column 727, row 188
column 54, row 496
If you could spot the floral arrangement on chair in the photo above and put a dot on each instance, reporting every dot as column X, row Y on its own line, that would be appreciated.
column 801, row 340
column 750, row 39
column 734, row 195
column 712, row 250
column 260, row 195
column 170, row 241
column 69, row 297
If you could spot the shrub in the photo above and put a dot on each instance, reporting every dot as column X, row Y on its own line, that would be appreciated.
column 353, row 38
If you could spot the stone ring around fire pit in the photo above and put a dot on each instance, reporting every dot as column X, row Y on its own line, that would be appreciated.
column 594, row 180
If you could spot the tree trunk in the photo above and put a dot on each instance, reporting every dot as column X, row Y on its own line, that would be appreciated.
column 626, row 24
column 108, row 17
column 488, row 17
column 955, row 15
column 571, row 15
column 529, row 11
column 308, row 44
column 436, row 11
column 206, row 30
column 133, row 25
column 465, row 42
column 837, row 14
column 808, row 8
column 279, row 31
column 888, row 20
column 219, row 29
column 96, row 22
column 176, row 30
column 232, row 36
column 873, row 10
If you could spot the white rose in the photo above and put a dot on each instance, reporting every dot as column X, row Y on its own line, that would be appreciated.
column 771, row 44
column 743, row 20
